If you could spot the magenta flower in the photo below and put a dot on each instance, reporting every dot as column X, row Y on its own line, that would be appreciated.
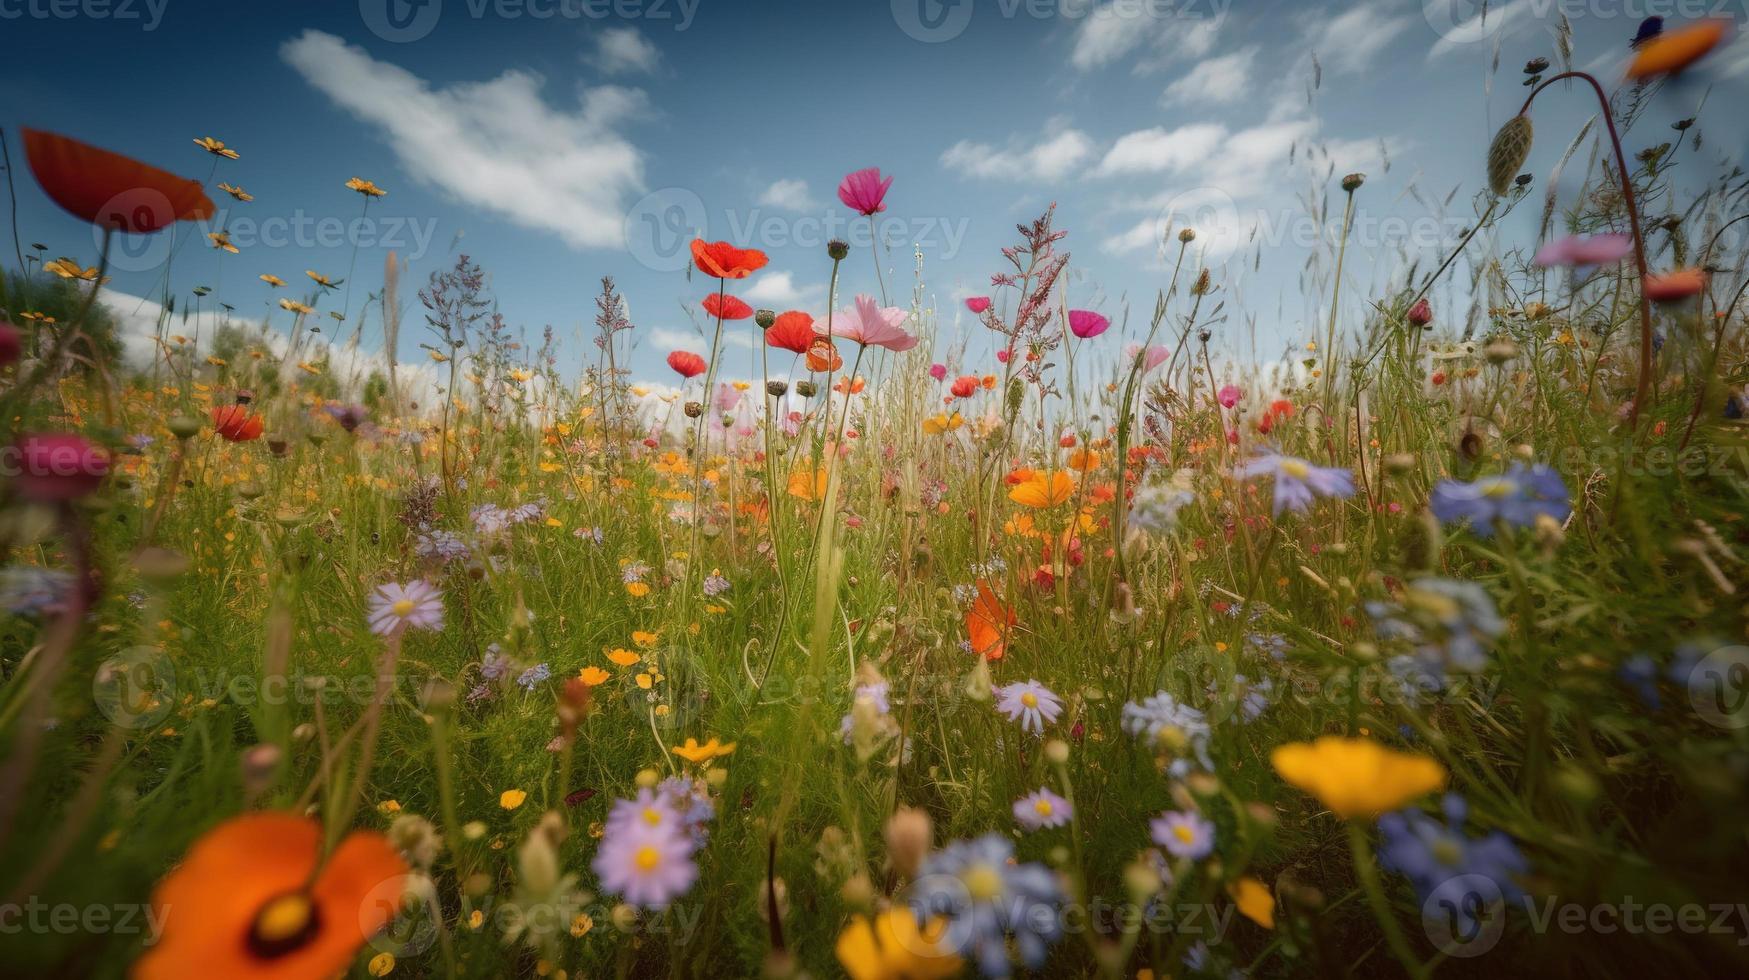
column 938, row 371
column 978, row 304
column 1155, row 356
column 873, row 326
column 1002, row 356
column 1421, row 314
column 1229, row 396
column 1575, row 250
column 864, row 191
column 1087, row 324
column 51, row 467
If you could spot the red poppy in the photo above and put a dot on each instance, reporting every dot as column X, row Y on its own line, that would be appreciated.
column 1673, row 286
column 254, row 899
column 965, row 386
column 720, row 260
column 110, row 190
column 686, row 363
column 792, row 331
column 236, row 423
column 726, row 307
column 822, row 356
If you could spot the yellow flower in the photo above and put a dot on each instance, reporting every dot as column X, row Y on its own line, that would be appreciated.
column 942, row 422
column 68, row 269
column 438, row 356
column 272, row 280
column 321, row 280
column 216, row 147
column 295, row 306
column 222, row 240
column 510, row 799
column 382, row 964
column 1254, row 901
column 593, row 675
column 581, row 925
column 622, row 656
column 638, row 589
column 365, row 187
column 389, row 808
column 237, row 192
column 694, row 752
column 645, row 681
column 644, row 638
column 893, row 947
column 1357, row 777
column 1083, row 460
column 803, row 486
column 1040, row 491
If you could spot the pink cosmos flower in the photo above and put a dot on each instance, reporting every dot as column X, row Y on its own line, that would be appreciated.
column 1575, row 250
column 1229, row 396
column 1156, row 356
column 1087, row 324
column 978, row 304
column 873, row 326
column 938, row 371
column 728, row 397
column 864, row 191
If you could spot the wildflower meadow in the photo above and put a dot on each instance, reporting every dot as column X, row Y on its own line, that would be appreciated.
column 886, row 628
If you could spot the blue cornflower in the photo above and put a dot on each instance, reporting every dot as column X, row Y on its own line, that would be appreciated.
column 1297, row 482
column 441, row 546
column 1517, row 498
column 715, row 584
column 534, row 676
column 1448, row 625
column 1176, row 728
column 988, row 900
column 494, row 665
column 1252, row 696
column 1640, row 672
column 1437, row 858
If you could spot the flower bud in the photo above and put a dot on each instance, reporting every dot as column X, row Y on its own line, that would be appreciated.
column 908, row 833
column 693, row 410
column 1508, row 151
column 765, row 318
column 1187, row 235
column 806, row 389
column 1421, row 314
column 1352, row 182
column 184, row 426
column 776, row 389
column 837, row 250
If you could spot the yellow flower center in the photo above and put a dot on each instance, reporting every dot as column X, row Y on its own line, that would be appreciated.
column 1043, row 808
column 652, row 816
column 983, row 882
column 402, row 608
column 1029, row 699
column 283, row 924
column 1447, row 852
column 1296, row 468
column 1497, row 489
column 1184, row 834
column 647, row 858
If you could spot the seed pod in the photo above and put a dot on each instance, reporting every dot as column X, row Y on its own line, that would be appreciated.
column 765, row 318
column 806, row 389
column 1511, row 147
column 776, row 389
column 1187, row 235
column 693, row 410
column 1352, row 182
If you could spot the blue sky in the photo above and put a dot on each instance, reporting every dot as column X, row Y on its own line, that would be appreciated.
column 557, row 141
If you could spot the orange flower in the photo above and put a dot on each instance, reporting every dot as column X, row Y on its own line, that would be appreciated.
column 988, row 624
column 236, row 423
column 110, row 190
column 720, row 260
column 822, row 356
column 1083, row 460
column 850, row 386
column 250, row 902
column 808, row 486
column 1672, row 286
column 1673, row 51
column 1043, row 491
column 792, row 331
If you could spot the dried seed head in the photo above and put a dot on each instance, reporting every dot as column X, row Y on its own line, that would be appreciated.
column 1201, row 287
column 806, row 389
column 1187, row 235
column 693, row 410
column 1352, row 182
column 1511, row 147
column 776, row 389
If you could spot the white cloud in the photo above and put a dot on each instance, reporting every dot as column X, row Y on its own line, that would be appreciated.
column 1119, row 27
column 496, row 145
column 669, row 339
column 623, row 49
column 1052, row 159
column 1159, row 150
column 1353, row 40
column 1221, row 80
column 788, row 194
column 778, row 290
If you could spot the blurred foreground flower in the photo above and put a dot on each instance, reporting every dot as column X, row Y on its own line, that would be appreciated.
column 1357, row 777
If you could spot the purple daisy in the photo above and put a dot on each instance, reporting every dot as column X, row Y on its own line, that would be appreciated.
column 646, row 865
column 1030, row 703
column 1297, row 482
column 1042, row 808
column 395, row 608
column 1184, row 834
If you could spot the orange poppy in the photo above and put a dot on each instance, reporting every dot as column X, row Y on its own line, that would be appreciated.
column 848, row 386
column 965, row 386
column 250, row 902
column 988, row 624
column 236, row 423
column 1672, row 286
column 720, row 260
column 1040, row 491
column 1673, row 51
column 808, row 486
column 726, row 307
column 110, row 190
column 792, row 331
column 822, row 356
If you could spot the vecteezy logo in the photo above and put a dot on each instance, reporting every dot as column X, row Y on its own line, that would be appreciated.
column 660, row 228
column 410, row 902
column 932, row 21
column 133, row 212
column 1718, row 687
column 135, row 688
column 1464, row 21
column 400, row 21
column 1465, row 915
